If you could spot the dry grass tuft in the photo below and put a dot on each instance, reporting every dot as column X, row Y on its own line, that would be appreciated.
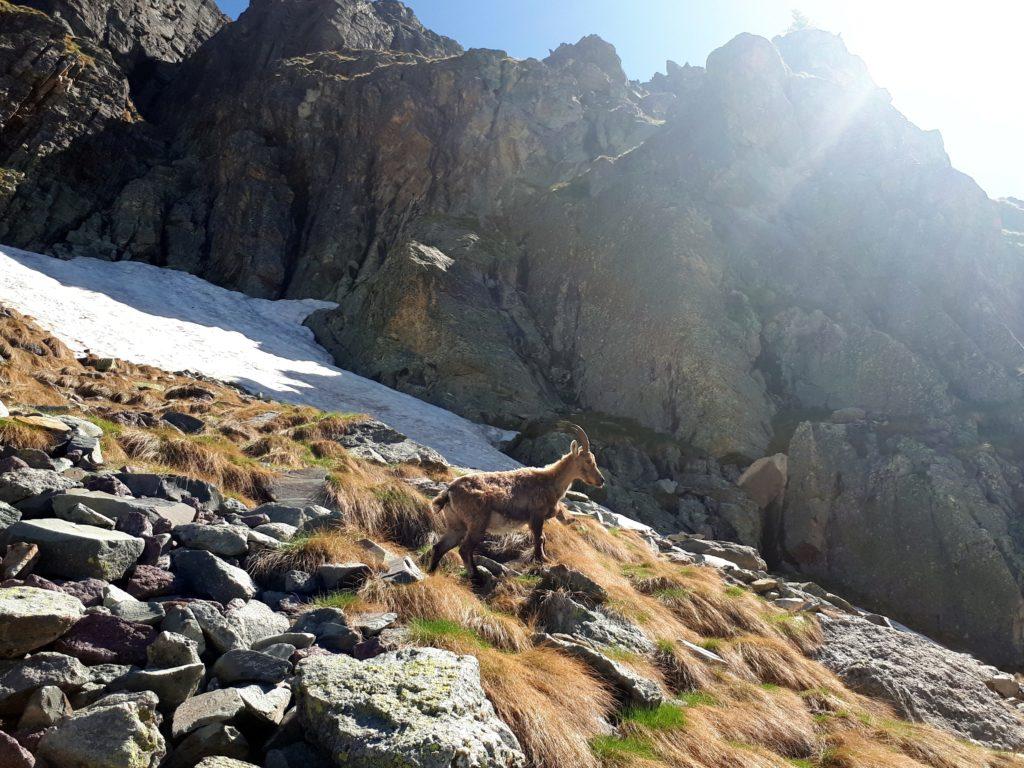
column 774, row 661
column 774, row 719
column 852, row 750
column 441, row 597
column 326, row 449
column 21, row 436
column 326, row 427
column 927, row 746
column 377, row 503
column 139, row 445
column 554, row 706
column 681, row 669
column 307, row 553
column 190, row 392
column 277, row 450
column 802, row 629
column 92, row 389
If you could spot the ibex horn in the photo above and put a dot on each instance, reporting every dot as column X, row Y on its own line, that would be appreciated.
column 575, row 429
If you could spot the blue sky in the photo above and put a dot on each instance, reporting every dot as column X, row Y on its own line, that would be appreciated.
column 951, row 66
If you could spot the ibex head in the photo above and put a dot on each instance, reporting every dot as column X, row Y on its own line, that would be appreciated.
column 583, row 460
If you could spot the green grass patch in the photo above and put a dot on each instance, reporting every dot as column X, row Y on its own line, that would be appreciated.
column 618, row 746
column 638, row 572
column 342, row 600
column 672, row 593
column 801, row 762
column 528, row 579
column 109, row 427
column 664, row 717
column 713, row 644
column 664, row 645
column 433, row 631
column 698, row 699
column 618, row 653
column 770, row 687
column 735, row 591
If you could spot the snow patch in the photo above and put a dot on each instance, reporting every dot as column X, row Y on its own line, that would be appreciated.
column 176, row 321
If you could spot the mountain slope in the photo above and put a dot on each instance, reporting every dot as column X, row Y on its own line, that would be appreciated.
column 697, row 264
column 629, row 650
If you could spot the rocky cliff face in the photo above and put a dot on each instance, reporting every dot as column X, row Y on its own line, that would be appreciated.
column 711, row 257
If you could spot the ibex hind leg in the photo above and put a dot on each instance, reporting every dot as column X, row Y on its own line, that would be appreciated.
column 448, row 541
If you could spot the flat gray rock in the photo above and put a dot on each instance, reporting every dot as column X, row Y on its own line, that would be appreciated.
column 278, row 531
column 213, row 740
column 219, row 761
column 18, row 679
column 181, row 620
column 420, row 707
column 375, row 441
column 20, row 484
column 46, row 707
column 173, row 685
column 219, row 706
column 226, row 540
column 208, row 575
column 560, row 614
column 170, row 649
column 267, row 704
column 239, row 626
column 343, row 575
column 241, row 666
column 31, row 618
column 922, row 680
column 84, row 515
column 8, row 516
column 330, row 625
column 632, row 688
column 116, row 507
column 71, row 551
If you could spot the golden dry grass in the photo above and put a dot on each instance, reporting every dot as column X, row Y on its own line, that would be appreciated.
column 325, row 427
column 376, row 502
column 276, row 450
column 550, row 701
column 20, row 435
column 307, row 553
column 447, row 598
column 772, row 660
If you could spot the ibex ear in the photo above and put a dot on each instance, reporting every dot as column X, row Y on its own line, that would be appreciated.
column 574, row 448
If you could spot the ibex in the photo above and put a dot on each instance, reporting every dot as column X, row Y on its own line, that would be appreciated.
column 500, row 502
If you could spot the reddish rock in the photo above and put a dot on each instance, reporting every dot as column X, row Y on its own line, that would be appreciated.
column 102, row 639
column 134, row 523
column 305, row 653
column 89, row 591
column 364, row 650
column 13, row 755
column 148, row 581
column 10, row 464
column 107, row 484
column 31, row 581
column 29, row 740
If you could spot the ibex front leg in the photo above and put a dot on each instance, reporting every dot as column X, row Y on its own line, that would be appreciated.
column 537, row 529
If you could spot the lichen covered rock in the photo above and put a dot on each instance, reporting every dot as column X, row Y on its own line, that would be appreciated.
column 123, row 735
column 30, row 618
column 419, row 707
